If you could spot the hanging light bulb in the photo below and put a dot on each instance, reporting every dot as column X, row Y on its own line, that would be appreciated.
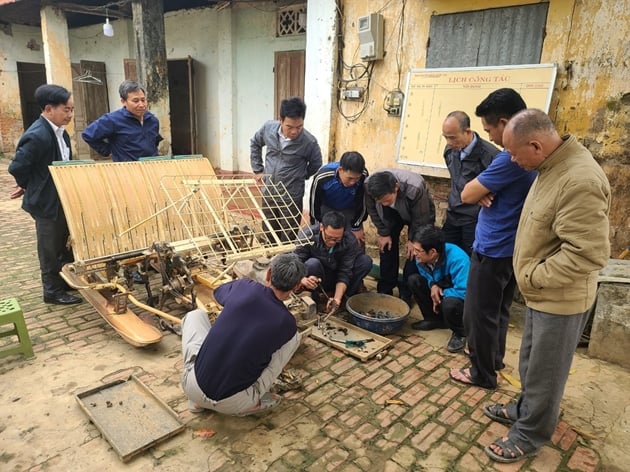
column 108, row 29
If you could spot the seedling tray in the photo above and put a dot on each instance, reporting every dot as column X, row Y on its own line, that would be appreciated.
column 130, row 415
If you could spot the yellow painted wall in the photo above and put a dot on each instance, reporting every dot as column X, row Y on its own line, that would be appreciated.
column 590, row 42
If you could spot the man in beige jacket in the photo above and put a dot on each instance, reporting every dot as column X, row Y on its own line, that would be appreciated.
column 561, row 244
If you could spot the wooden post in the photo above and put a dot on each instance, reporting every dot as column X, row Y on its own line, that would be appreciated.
column 152, row 68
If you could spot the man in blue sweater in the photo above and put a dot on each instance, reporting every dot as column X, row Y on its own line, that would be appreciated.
column 439, row 286
column 230, row 367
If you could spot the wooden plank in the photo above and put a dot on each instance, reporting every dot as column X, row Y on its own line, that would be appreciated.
column 334, row 328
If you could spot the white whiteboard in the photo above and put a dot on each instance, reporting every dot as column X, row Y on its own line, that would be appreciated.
column 434, row 93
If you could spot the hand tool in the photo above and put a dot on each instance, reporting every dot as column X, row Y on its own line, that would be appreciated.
column 320, row 318
column 351, row 342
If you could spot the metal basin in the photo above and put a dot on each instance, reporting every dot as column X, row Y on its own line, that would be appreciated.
column 377, row 312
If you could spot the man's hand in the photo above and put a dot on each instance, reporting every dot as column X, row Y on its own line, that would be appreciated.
column 360, row 235
column 409, row 250
column 436, row 295
column 384, row 242
column 332, row 306
column 259, row 178
column 18, row 192
column 486, row 200
column 310, row 282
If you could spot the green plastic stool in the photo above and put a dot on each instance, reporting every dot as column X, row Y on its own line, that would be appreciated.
column 10, row 312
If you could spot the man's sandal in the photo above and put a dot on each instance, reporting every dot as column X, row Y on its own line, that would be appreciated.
column 498, row 412
column 510, row 452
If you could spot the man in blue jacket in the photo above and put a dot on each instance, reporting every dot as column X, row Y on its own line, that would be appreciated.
column 128, row 133
column 339, row 186
column 439, row 287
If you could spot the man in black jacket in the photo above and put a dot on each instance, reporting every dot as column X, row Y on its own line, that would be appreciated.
column 466, row 155
column 334, row 260
column 44, row 142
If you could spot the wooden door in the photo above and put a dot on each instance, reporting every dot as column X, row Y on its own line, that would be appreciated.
column 30, row 76
column 289, row 76
column 182, row 106
column 90, row 102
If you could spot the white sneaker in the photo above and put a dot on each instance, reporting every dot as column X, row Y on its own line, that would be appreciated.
column 267, row 402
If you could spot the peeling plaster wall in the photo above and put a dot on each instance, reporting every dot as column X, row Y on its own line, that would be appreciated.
column 590, row 42
column 255, row 43
column 17, row 44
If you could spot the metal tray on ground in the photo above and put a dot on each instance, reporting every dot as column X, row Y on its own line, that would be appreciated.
column 335, row 332
column 130, row 415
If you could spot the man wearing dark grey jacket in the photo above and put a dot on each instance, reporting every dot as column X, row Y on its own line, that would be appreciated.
column 292, row 156
column 396, row 198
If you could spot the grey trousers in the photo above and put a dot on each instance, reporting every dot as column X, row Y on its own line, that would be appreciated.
column 195, row 328
column 547, row 348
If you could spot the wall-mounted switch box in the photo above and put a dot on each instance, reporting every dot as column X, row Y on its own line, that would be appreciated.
column 370, row 29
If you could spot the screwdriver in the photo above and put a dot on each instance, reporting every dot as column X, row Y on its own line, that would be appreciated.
column 352, row 342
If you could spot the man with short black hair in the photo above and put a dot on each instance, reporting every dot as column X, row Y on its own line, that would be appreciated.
column 44, row 142
column 230, row 367
column 339, row 186
column 394, row 199
column 128, row 133
column 466, row 155
column 334, row 260
column 292, row 157
column 439, row 284
column 501, row 191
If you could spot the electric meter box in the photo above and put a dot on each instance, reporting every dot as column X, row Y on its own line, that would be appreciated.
column 370, row 29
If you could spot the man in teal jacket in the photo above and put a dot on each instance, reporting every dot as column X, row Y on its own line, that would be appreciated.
column 439, row 287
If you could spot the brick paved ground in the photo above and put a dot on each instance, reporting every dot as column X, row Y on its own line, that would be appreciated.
column 338, row 421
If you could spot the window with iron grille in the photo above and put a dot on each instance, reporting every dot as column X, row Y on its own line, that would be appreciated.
column 291, row 21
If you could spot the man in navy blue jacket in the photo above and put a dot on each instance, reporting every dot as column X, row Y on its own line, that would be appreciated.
column 44, row 142
column 128, row 133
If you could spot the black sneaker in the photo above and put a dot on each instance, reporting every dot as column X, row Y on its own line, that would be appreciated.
column 456, row 343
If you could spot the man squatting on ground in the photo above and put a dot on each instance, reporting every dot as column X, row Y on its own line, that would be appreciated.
column 439, row 285
column 395, row 198
column 561, row 244
column 128, row 133
column 334, row 258
column 231, row 366
column 501, row 191
column 292, row 156
column 44, row 142
column 466, row 156
column 340, row 186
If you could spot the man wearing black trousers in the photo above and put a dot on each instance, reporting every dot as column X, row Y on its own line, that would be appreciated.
column 396, row 198
column 44, row 142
